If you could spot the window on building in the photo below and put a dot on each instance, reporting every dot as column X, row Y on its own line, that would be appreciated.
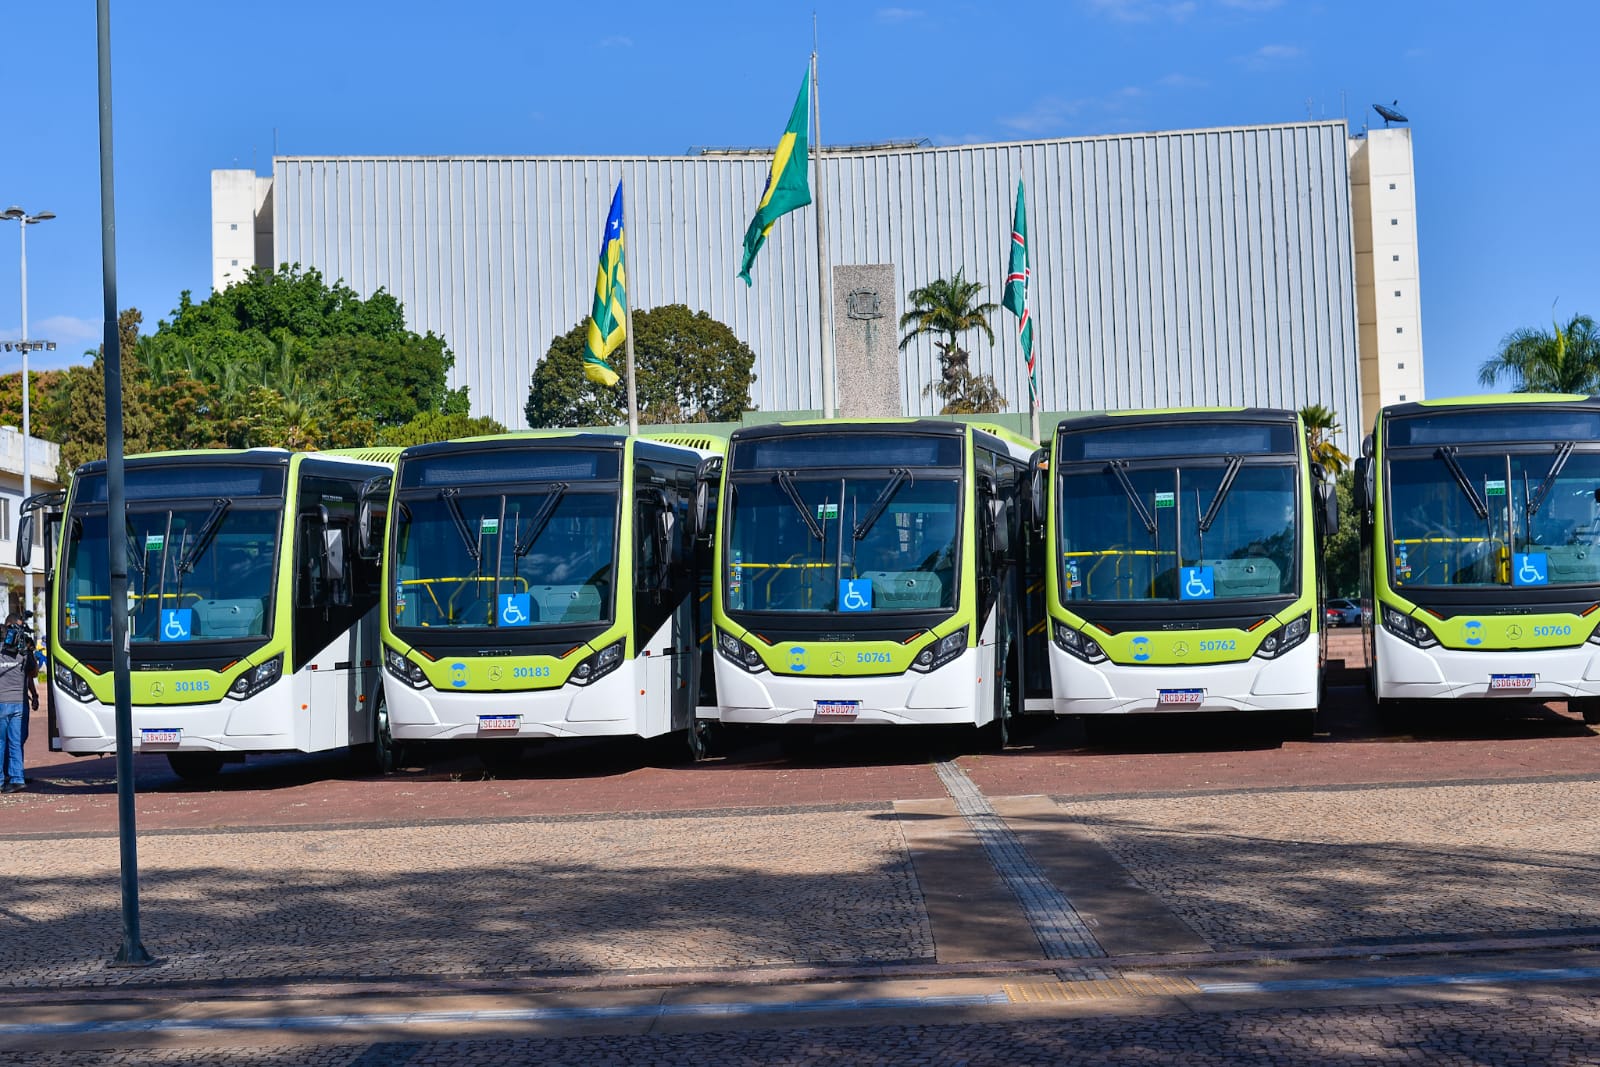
column 1400, row 366
column 1397, row 292
column 233, row 263
column 1395, row 258
column 1391, row 185
column 5, row 518
column 235, row 225
column 1399, row 329
column 1402, row 396
column 1394, row 222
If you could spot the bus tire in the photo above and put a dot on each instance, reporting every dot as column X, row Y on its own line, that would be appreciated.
column 1588, row 707
column 195, row 766
column 702, row 739
column 385, row 753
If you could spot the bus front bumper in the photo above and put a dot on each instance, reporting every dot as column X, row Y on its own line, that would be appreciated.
column 946, row 696
column 606, row 708
column 1405, row 672
column 1288, row 683
column 226, row 726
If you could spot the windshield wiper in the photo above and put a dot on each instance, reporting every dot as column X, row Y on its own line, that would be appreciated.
column 203, row 539
column 1448, row 455
column 541, row 519
column 786, row 483
column 1119, row 467
column 900, row 476
column 1234, row 463
column 1536, row 501
column 449, row 497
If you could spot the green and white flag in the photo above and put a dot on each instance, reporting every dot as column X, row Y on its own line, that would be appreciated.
column 1015, row 299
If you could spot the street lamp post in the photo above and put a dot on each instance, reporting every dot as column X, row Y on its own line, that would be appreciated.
column 24, row 220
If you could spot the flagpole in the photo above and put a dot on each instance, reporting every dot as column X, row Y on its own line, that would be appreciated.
column 627, row 328
column 824, row 283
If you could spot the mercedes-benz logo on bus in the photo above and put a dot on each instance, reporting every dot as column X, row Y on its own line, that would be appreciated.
column 1181, row 648
column 157, row 689
column 1514, row 632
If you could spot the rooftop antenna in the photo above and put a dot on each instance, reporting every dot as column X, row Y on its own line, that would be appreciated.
column 1389, row 113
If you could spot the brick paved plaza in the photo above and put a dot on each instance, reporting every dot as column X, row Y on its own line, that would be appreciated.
column 1462, row 859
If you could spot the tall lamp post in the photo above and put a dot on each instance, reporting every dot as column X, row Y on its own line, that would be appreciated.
column 24, row 220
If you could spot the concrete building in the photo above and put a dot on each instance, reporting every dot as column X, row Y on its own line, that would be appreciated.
column 1218, row 266
column 1383, row 199
column 43, row 458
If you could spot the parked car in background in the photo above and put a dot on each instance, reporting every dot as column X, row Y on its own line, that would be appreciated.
column 1343, row 613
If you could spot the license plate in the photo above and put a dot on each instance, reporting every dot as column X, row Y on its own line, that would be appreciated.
column 160, row 737
column 499, row 722
column 838, row 708
column 1511, row 683
column 1180, row 697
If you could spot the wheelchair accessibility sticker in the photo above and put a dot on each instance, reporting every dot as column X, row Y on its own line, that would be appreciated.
column 1196, row 583
column 176, row 624
column 1530, row 568
column 855, row 594
column 516, row 609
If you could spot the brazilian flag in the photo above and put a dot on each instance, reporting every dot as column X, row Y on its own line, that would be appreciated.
column 787, row 187
column 607, row 322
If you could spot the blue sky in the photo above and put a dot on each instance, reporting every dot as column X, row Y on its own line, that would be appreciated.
column 1503, row 100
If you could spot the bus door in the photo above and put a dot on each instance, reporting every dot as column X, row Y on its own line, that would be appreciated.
column 42, row 513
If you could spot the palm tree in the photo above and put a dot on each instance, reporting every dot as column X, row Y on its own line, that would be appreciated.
column 946, row 308
column 1322, row 426
column 1538, row 361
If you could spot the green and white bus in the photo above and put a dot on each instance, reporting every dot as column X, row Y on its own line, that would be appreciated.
column 1185, row 575
column 253, row 625
column 1481, row 550
column 871, row 572
column 539, row 585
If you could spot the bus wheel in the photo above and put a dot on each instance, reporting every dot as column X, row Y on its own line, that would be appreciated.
column 1588, row 707
column 384, row 754
column 195, row 766
column 702, row 739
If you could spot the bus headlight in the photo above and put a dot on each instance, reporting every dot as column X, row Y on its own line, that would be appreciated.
column 739, row 652
column 1412, row 631
column 257, row 678
column 68, row 679
column 940, row 652
column 1078, row 644
column 597, row 665
column 403, row 669
column 1285, row 637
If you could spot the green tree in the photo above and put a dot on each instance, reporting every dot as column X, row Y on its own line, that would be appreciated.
column 690, row 368
column 1322, row 426
column 316, row 345
column 74, row 410
column 946, row 308
column 433, row 426
column 1341, row 553
column 1565, row 359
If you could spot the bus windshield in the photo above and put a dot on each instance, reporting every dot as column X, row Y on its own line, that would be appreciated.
column 1213, row 529
column 536, row 556
column 868, row 541
column 1518, row 517
column 197, row 571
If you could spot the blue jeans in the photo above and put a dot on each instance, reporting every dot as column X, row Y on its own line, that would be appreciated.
column 11, row 743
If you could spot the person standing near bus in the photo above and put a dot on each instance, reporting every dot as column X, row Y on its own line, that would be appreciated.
column 17, row 667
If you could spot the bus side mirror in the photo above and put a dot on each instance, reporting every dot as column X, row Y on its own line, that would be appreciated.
column 1358, row 490
column 1330, row 509
column 1036, row 488
column 999, row 528
column 25, row 541
column 706, row 478
column 333, row 555
column 372, row 516
column 666, row 526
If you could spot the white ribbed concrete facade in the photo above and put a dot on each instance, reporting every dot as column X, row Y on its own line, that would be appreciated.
column 1190, row 267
